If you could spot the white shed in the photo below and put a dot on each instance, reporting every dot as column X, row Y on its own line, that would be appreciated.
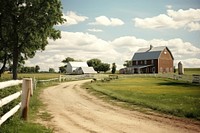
column 72, row 66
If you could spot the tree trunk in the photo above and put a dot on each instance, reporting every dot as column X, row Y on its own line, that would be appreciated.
column 15, row 62
column 16, row 48
column 4, row 64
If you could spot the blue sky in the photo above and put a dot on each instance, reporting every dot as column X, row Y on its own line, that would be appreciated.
column 112, row 30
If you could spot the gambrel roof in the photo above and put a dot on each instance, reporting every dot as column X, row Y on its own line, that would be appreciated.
column 149, row 53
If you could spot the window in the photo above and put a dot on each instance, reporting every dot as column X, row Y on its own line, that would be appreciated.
column 136, row 62
column 145, row 62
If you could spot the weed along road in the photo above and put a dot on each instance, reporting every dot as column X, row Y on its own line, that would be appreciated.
column 74, row 110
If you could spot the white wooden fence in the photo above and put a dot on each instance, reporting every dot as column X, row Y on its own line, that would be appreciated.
column 27, row 90
column 25, row 93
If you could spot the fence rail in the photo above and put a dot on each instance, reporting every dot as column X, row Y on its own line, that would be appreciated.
column 27, row 90
column 26, row 85
column 10, row 113
column 10, row 98
column 9, row 83
column 53, row 79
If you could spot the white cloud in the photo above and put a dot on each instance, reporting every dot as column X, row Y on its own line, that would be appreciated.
column 193, row 62
column 161, row 21
column 85, row 46
column 103, row 20
column 72, row 18
column 185, row 15
column 188, row 19
column 194, row 26
column 181, row 50
column 77, row 45
column 95, row 30
column 169, row 6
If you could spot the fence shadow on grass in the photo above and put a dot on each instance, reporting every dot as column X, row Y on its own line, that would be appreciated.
column 174, row 83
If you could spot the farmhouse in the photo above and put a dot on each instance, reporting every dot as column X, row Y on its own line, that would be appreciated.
column 151, row 60
column 79, row 68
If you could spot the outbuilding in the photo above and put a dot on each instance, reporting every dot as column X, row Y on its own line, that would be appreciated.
column 79, row 68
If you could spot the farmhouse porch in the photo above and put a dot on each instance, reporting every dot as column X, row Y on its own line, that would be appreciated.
column 138, row 69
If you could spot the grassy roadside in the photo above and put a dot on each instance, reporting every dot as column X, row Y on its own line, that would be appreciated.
column 163, row 95
column 15, row 124
column 40, row 76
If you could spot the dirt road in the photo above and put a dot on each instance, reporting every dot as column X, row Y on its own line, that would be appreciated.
column 76, row 111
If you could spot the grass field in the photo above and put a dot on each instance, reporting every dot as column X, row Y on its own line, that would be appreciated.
column 191, row 71
column 164, row 95
column 31, row 75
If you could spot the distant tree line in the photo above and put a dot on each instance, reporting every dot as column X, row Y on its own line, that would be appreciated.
column 26, row 69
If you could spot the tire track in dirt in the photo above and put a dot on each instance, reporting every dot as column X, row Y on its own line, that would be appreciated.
column 75, row 110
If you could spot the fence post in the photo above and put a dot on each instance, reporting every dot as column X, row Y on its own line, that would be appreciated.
column 34, row 83
column 60, row 78
column 26, row 92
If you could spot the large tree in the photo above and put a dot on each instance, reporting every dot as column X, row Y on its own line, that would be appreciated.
column 104, row 67
column 26, row 26
column 95, row 63
column 98, row 65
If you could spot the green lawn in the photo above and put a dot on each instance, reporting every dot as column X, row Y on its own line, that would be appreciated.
column 165, row 95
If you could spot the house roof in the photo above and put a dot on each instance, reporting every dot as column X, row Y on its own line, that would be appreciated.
column 148, row 54
column 78, row 64
column 88, row 70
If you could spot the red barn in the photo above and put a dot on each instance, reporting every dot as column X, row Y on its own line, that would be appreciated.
column 152, row 60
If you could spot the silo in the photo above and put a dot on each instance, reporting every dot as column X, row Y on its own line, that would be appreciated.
column 180, row 68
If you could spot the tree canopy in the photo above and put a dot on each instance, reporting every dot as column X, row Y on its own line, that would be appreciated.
column 63, row 69
column 113, row 68
column 68, row 59
column 51, row 70
column 127, row 63
column 98, row 65
column 26, row 26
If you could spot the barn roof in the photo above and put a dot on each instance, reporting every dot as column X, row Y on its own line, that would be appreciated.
column 88, row 70
column 78, row 64
column 148, row 54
